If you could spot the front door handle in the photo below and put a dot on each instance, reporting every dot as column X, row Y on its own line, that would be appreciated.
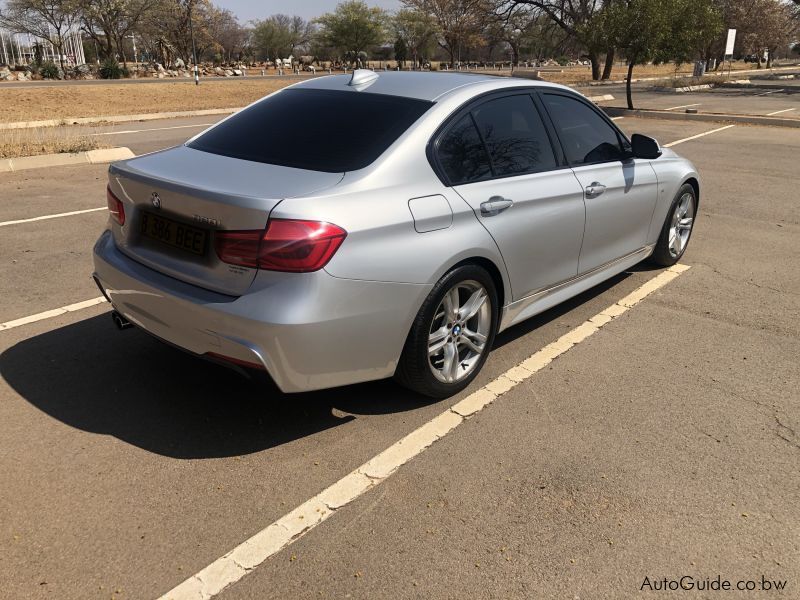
column 495, row 205
column 594, row 189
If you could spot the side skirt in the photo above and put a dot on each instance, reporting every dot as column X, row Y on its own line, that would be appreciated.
column 540, row 301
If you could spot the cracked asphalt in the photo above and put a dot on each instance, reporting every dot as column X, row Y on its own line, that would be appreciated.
column 666, row 444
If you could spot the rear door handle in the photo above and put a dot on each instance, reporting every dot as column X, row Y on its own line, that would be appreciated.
column 594, row 189
column 495, row 205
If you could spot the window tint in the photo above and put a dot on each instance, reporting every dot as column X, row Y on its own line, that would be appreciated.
column 515, row 136
column 320, row 130
column 585, row 136
column 462, row 155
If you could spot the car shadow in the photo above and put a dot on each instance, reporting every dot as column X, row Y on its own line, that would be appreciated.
column 130, row 386
column 161, row 399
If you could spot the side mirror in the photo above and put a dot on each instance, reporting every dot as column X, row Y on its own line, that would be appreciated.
column 644, row 147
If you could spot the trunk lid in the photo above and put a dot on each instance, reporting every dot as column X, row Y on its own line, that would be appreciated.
column 175, row 201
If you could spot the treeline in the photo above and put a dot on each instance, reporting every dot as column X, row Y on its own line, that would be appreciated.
column 598, row 31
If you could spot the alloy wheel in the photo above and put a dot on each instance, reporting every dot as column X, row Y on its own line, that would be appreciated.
column 459, row 331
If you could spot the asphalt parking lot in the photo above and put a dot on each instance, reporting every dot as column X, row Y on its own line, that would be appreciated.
column 664, row 445
column 779, row 98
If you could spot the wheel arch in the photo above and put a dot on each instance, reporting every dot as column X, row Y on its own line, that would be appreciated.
column 692, row 181
column 492, row 269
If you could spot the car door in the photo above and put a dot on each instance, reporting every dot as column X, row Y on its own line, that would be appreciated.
column 620, row 191
column 498, row 156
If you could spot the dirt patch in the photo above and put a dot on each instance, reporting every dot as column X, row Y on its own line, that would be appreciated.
column 103, row 99
column 72, row 101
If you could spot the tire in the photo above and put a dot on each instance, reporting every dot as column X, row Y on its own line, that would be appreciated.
column 454, row 336
column 669, row 249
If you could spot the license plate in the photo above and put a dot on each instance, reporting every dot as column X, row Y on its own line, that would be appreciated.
column 172, row 233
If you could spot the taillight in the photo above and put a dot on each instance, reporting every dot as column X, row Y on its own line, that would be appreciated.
column 115, row 207
column 286, row 245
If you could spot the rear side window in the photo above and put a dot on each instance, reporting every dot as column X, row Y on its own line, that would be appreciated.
column 515, row 136
column 318, row 130
column 462, row 155
column 586, row 137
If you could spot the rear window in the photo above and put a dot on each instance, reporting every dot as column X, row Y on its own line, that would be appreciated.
column 318, row 130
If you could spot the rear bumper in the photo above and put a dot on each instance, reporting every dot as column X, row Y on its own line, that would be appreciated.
column 309, row 330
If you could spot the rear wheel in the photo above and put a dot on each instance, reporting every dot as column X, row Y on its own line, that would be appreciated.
column 451, row 335
column 677, row 228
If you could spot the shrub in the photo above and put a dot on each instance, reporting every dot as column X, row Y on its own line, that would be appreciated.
column 50, row 70
column 110, row 69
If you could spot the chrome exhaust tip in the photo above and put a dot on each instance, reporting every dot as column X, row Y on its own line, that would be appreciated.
column 121, row 322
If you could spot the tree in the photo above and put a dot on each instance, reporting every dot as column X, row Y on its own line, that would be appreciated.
column 48, row 20
column 400, row 52
column 657, row 30
column 415, row 29
column 352, row 28
column 229, row 36
column 459, row 22
column 579, row 19
column 108, row 22
column 280, row 36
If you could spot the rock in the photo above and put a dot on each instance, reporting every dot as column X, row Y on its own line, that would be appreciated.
column 22, row 76
column 219, row 71
column 228, row 73
column 238, row 72
column 179, row 64
column 160, row 68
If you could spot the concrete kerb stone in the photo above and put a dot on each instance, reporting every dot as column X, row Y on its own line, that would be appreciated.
column 93, row 157
column 613, row 111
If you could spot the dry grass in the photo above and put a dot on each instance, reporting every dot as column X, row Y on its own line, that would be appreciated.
column 668, row 71
column 50, row 140
column 66, row 101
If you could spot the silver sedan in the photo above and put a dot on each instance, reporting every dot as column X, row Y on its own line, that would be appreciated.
column 357, row 227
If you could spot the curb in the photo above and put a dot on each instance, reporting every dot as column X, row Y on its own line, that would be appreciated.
column 705, row 117
column 755, row 84
column 117, row 118
column 602, row 98
column 635, row 80
column 91, row 157
column 687, row 88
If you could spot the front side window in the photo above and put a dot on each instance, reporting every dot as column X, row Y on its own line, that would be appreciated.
column 515, row 136
column 462, row 155
column 585, row 136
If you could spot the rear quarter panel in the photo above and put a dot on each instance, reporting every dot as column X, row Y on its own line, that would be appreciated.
column 372, row 205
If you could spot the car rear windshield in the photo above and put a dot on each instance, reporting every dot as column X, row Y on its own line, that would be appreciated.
column 318, row 130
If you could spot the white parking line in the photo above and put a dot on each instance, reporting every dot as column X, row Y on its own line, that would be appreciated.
column 616, row 118
column 771, row 92
column 153, row 129
column 699, row 135
column 683, row 106
column 245, row 557
column 56, row 216
column 49, row 314
column 777, row 112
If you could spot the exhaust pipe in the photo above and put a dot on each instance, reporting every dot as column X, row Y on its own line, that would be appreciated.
column 121, row 322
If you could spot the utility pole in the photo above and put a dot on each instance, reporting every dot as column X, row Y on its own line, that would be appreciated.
column 194, row 51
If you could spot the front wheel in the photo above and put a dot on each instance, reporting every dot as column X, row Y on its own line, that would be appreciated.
column 451, row 335
column 677, row 228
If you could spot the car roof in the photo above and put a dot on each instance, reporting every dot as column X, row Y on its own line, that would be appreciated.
column 421, row 85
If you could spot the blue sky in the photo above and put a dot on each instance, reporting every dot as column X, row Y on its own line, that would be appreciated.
column 248, row 10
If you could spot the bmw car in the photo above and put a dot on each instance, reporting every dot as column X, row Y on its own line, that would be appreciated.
column 372, row 225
